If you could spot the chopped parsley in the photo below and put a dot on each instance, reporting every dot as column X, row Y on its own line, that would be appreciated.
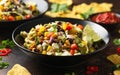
column 7, row 43
column 116, row 41
column 59, row 7
column 3, row 65
column 87, row 14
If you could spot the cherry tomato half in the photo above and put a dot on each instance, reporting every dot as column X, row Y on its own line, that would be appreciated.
column 27, row 16
column 69, row 26
column 74, row 46
column 72, row 51
column 10, row 18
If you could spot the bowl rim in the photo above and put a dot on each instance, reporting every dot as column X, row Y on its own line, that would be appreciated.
column 29, row 18
column 25, row 49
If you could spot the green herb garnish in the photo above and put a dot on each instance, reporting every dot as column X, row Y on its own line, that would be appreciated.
column 116, row 67
column 59, row 7
column 3, row 65
column 87, row 14
column 116, row 41
column 7, row 43
column 0, row 58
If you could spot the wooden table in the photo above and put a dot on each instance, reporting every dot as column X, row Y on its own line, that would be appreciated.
column 105, row 66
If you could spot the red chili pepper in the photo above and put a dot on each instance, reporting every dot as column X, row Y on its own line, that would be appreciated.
column 118, row 50
column 5, row 51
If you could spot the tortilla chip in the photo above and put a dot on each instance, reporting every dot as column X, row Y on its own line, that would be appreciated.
column 70, row 15
column 114, row 58
column 68, row 2
column 116, row 72
column 103, row 7
column 97, row 7
column 18, row 70
column 81, row 8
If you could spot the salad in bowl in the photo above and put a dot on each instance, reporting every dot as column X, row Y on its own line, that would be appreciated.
column 55, row 41
column 61, row 38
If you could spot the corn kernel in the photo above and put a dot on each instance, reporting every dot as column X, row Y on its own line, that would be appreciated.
column 84, row 43
column 33, row 8
column 1, row 7
column 46, row 33
column 44, row 52
column 41, row 30
column 18, row 17
column 45, row 38
column 64, row 26
column 49, row 47
column 67, row 42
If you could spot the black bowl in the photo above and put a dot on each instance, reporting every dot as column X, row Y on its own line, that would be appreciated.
column 42, row 6
column 108, row 26
column 59, row 61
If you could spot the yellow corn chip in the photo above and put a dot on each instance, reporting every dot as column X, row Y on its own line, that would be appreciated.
column 68, row 2
column 116, row 72
column 114, row 58
column 97, row 7
column 18, row 70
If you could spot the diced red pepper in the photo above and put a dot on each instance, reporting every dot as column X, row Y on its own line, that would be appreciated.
column 50, row 34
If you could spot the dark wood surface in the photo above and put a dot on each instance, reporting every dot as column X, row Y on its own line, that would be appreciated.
column 105, row 66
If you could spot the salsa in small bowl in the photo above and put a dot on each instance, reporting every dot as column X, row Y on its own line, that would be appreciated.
column 108, row 20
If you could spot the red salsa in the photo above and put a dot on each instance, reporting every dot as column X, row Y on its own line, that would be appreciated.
column 106, row 18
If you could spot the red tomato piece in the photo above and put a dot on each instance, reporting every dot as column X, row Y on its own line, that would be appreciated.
column 10, row 18
column 27, row 16
column 72, row 51
column 80, row 26
column 74, row 46
column 69, row 26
